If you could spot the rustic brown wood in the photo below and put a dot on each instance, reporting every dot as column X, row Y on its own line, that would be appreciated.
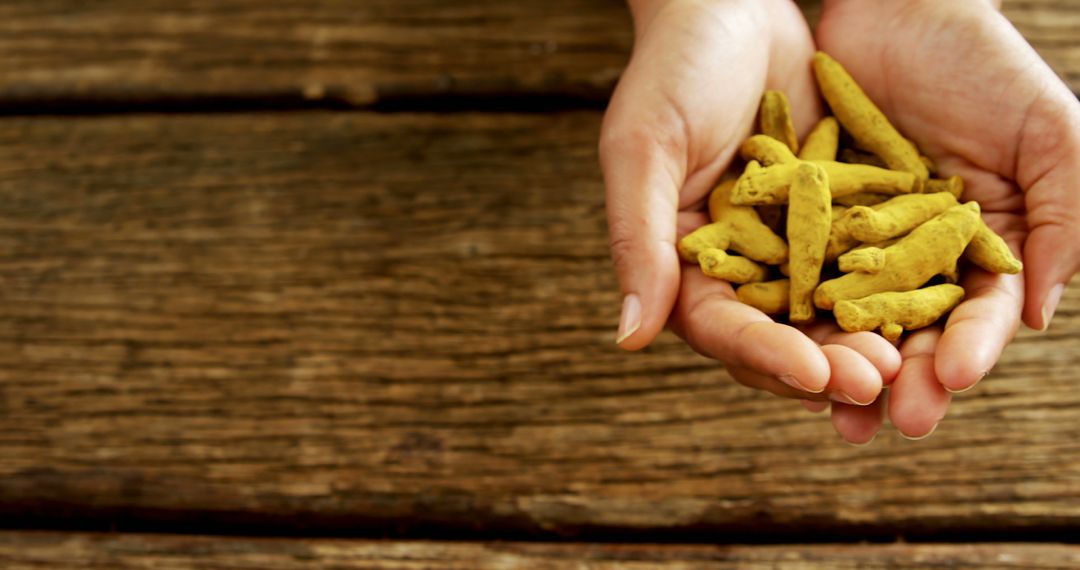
column 1053, row 28
column 128, row 52
column 25, row 551
column 352, row 52
column 348, row 320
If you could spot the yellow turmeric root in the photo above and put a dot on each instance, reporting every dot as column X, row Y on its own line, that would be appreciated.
column 720, row 200
column 808, row 225
column 769, row 297
column 770, row 185
column 864, row 259
column 929, row 163
column 776, row 119
column 953, row 185
column 716, row 263
column 871, row 207
column 894, row 312
column 862, row 118
column 852, row 156
column 766, row 150
column 989, row 251
column 734, row 227
column 862, row 199
column 929, row 250
column 840, row 239
column 822, row 142
column 896, row 217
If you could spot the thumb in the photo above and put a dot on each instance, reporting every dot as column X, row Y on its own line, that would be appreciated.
column 642, row 205
column 1052, row 248
column 1050, row 260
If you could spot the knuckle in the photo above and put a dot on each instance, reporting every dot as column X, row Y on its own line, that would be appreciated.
column 624, row 249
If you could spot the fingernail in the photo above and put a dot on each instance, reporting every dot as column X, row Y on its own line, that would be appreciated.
column 794, row 383
column 630, row 321
column 1052, row 300
column 843, row 398
column 962, row 390
column 924, row 436
column 815, row 407
column 863, row 444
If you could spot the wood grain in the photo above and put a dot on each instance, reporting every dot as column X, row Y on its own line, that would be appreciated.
column 1053, row 28
column 382, row 323
column 26, row 551
column 355, row 53
column 62, row 55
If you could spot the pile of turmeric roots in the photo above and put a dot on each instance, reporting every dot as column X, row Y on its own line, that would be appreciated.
column 870, row 214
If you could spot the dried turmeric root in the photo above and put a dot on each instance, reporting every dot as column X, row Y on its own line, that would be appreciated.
column 732, row 268
column 738, row 228
column 897, row 216
column 771, row 184
column 840, row 239
column 870, row 210
column 864, row 259
column 766, row 150
column 862, row 118
column 776, row 119
column 862, row 199
column 953, row 185
column 989, row 251
column 808, row 225
column 822, row 142
column 895, row 312
column 929, row 250
column 769, row 297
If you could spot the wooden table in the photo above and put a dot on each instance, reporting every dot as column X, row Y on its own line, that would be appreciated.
column 326, row 285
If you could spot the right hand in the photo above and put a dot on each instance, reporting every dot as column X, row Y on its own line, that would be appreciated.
column 685, row 103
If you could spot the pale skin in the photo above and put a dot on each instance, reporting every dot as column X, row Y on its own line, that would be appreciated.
column 688, row 99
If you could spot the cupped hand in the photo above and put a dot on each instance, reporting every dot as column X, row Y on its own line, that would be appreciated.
column 960, row 81
column 686, row 101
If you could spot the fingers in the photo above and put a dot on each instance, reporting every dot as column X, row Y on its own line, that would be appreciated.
column 642, row 180
column 917, row 401
column 854, row 379
column 758, row 381
column 857, row 425
column 714, row 323
column 814, row 406
column 879, row 352
column 978, row 329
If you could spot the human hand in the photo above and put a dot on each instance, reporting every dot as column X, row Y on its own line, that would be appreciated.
column 960, row 81
column 685, row 103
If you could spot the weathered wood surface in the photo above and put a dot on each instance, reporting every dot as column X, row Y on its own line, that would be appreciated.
column 1053, row 28
column 128, row 52
column 352, row 52
column 26, row 551
column 354, row 321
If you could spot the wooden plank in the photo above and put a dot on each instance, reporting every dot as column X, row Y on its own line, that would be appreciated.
column 351, row 52
column 128, row 52
column 1053, row 28
column 345, row 320
column 31, row 550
